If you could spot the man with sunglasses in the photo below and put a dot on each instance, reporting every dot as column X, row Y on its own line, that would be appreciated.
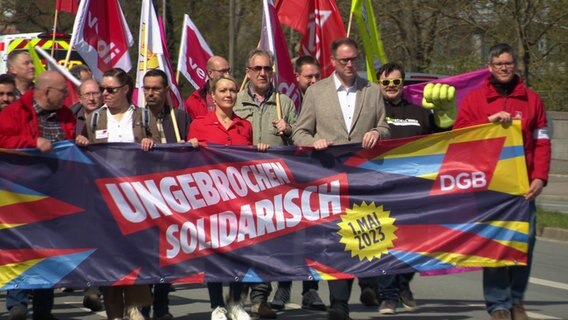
column 343, row 108
column 257, row 103
column 405, row 120
column 200, row 102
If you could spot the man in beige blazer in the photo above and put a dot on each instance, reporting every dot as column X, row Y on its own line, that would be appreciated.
column 341, row 109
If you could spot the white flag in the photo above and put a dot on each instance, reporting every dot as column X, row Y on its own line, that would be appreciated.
column 152, row 53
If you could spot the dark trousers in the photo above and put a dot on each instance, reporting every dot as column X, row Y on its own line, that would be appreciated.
column 42, row 301
column 216, row 293
column 339, row 294
column 306, row 285
column 160, row 299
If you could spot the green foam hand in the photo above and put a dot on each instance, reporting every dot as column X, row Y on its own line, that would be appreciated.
column 441, row 98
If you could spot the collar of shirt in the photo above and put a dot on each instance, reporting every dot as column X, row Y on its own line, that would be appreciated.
column 267, row 94
column 40, row 111
column 339, row 86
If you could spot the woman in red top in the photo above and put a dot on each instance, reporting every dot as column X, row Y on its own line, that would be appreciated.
column 222, row 126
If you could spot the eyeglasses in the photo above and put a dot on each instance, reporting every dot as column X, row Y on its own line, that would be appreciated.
column 155, row 89
column 344, row 61
column 257, row 69
column 500, row 65
column 90, row 94
column 227, row 70
column 388, row 82
column 110, row 90
column 63, row 91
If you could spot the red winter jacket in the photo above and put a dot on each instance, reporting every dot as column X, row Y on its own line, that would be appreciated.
column 196, row 104
column 522, row 103
column 19, row 126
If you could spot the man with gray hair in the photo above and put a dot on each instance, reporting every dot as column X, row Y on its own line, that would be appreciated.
column 21, row 67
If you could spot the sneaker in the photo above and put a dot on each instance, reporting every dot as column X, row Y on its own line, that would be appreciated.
column 407, row 300
column 134, row 314
column 519, row 312
column 92, row 301
column 501, row 315
column 281, row 297
column 388, row 307
column 262, row 310
column 219, row 313
column 311, row 300
column 17, row 313
column 236, row 312
column 368, row 297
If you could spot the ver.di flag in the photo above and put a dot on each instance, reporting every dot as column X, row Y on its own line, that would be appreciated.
column 193, row 54
column 272, row 39
column 152, row 54
column 319, row 22
column 101, row 36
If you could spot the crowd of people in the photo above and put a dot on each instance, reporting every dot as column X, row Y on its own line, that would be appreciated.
column 343, row 108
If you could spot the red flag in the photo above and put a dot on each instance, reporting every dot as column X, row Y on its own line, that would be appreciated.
column 272, row 39
column 319, row 22
column 101, row 36
column 193, row 54
column 67, row 5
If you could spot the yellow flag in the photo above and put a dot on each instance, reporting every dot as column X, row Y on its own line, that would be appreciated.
column 374, row 51
column 38, row 65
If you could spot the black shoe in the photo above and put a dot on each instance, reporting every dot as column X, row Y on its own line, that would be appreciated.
column 368, row 297
column 337, row 314
column 311, row 300
column 262, row 310
column 47, row 316
column 92, row 301
column 281, row 297
column 17, row 313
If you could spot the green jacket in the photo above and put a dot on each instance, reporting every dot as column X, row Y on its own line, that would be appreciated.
column 261, row 118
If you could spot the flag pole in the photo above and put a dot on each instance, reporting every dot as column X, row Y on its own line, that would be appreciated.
column 173, row 116
column 350, row 19
column 54, row 31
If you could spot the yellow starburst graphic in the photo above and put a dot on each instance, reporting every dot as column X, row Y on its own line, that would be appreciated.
column 367, row 231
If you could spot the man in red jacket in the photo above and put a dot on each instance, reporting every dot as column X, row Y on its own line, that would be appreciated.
column 502, row 98
column 38, row 119
column 200, row 102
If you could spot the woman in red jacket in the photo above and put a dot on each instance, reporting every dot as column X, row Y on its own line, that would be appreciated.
column 223, row 127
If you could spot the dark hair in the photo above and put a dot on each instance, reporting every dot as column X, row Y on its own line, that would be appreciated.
column 123, row 78
column 343, row 41
column 303, row 60
column 6, row 78
column 498, row 50
column 158, row 73
column 77, row 69
column 223, row 77
column 387, row 68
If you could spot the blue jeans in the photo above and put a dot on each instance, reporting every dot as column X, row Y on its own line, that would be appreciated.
column 503, row 287
column 390, row 286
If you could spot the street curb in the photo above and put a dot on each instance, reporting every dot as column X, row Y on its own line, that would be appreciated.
column 552, row 233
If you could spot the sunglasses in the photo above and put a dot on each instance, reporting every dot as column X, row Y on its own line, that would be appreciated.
column 388, row 82
column 259, row 68
column 110, row 90
column 344, row 61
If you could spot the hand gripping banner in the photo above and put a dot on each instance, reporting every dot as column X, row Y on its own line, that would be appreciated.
column 112, row 214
